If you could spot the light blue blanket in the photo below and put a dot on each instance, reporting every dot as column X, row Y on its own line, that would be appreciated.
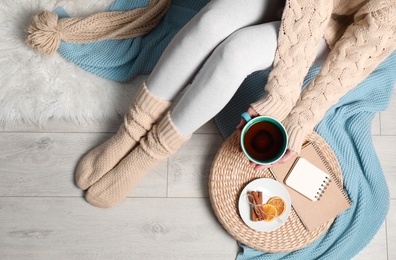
column 122, row 60
column 346, row 126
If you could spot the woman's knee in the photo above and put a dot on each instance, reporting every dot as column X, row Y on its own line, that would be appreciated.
column 249, row 49
column 227, row 16
column 211, row 21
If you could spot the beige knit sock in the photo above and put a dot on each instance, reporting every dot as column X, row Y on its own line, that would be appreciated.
column 143, row 113
column 161, row 142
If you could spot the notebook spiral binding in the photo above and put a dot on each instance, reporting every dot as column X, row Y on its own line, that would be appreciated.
column 337, row 182
column 322, row 188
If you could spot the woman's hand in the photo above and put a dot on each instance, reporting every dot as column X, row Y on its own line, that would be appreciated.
column 289, row 153
column 252, row 113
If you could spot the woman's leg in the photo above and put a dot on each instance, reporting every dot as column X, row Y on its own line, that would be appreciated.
column 242, row 53
column 194, row 43
column 239, row 55
column 245, row 51
column 179, row 63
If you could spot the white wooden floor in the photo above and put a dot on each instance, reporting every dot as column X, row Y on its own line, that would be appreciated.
column 43, row 215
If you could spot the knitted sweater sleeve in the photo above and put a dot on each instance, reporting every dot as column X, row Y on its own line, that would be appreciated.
column 363, row 46
column 302, row 27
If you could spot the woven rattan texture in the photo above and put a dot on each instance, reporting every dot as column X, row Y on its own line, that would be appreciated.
column 231, row 172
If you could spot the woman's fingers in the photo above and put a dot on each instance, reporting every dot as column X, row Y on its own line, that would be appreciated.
column 239, row 128
column 242, row 123
column 252, row 113
column 288, row 155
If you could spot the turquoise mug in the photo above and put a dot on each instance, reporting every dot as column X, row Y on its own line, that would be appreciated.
column 263, row 139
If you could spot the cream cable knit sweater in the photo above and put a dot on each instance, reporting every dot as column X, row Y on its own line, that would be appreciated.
column 361, row 34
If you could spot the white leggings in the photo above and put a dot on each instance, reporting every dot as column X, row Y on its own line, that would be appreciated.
column 224, row 43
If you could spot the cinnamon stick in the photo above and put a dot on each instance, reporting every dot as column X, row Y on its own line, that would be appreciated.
column 252, row 203
column 255, row 199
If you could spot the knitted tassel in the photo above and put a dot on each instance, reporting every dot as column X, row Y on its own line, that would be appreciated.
column 44, row 34
column 46, row 30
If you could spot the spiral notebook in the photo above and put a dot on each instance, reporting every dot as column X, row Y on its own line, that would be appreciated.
column 313, row 212
column 303, row 170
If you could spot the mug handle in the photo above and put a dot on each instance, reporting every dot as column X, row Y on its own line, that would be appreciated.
column 246, row 116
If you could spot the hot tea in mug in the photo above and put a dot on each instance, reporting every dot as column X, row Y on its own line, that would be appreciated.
column 263, row 139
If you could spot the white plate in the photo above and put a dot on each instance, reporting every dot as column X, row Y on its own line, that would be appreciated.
column 269, row 188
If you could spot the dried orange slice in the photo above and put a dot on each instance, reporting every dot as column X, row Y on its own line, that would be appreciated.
column 278, row 203
column 270, row 212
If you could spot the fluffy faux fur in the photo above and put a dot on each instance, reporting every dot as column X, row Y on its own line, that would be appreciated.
column 35, row 88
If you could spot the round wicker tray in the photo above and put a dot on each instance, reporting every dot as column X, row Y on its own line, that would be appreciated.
column 231, row 172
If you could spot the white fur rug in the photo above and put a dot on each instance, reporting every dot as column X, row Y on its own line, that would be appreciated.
column 35, row 88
